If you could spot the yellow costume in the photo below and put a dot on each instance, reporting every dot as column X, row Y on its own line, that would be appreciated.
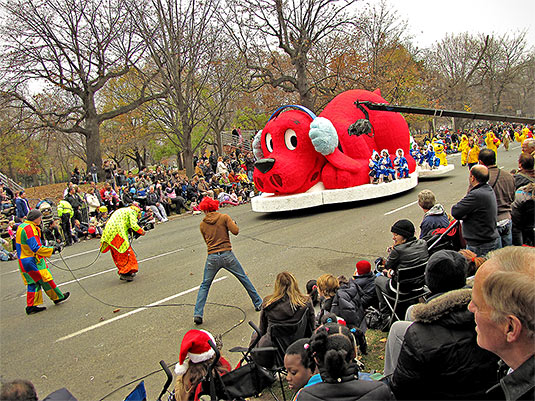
column 492, row 142
column 439, row 152
column 462, row 146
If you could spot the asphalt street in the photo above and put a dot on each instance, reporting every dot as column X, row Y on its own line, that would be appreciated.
column 105, row 336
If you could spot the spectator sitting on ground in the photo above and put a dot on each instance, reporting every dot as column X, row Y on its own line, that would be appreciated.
column 525, row 174
column 334, row 353
column 434, row 214
column 80, row 230
column 439, row 358
column 301, row 369
column 365, row 279
column 478, row 210
column 52, row 234
column 195, row 358
column 502, row 304
column 286, row 305
column 5, row 255
column 154, row 204
column 406, row 254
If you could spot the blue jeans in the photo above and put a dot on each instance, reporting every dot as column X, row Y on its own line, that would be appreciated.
column 506, row 235
column 483, row 249
column 215, row 262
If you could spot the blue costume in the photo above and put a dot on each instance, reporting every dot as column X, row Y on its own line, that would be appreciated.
column 375, row 170
column 416, row 154
column 401, row 164
column 430, row 157
column 386, row 165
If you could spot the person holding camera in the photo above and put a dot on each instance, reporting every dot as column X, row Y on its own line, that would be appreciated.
column 32, row 263
column 115, row 239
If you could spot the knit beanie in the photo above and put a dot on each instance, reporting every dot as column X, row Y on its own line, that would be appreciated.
column 363, row 267
column 195, row 348
column 445, row 271
column 208, row 204
column 34, row 214
column 404, row 227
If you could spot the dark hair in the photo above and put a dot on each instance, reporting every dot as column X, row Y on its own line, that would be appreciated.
column 480, row 173
column 300, row 347
column 18, row 390
column 487, row 157
column 526, row 161
column 333, row 349
column 312, row 291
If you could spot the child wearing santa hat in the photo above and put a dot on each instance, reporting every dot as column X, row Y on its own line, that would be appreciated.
column 194, row 360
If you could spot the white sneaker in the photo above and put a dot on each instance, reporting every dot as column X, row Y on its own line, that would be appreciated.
column 165, row 220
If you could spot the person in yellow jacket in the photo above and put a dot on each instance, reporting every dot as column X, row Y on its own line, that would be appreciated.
column 65, row 213
column 462, row 146
column 470, row 154
column 115, row 238
column 492, row 142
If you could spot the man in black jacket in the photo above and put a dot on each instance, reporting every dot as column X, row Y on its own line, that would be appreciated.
column 478, row 211
column 503, row 185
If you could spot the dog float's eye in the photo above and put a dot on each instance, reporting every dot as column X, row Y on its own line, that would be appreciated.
column 290, row 138
column 269, row 143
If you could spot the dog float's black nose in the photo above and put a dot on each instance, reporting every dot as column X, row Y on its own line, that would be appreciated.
column 264, row 165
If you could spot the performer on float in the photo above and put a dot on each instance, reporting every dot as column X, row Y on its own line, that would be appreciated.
column 375, row 170
column 416, row 154
column 492, row 142
column 430, row 158
column 115, row 238
column 32, row 264
column 401, row 164
column 440, row 153
column 386, row 163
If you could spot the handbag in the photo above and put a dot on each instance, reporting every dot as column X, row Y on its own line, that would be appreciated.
column 246, row 381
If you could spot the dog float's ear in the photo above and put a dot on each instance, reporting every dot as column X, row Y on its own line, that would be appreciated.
column 323, row 136
column 322, row 132
column 257, row 146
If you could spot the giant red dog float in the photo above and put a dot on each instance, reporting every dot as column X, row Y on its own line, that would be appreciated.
column 304, row 160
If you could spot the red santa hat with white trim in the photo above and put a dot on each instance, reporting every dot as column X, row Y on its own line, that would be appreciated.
column 194, row 348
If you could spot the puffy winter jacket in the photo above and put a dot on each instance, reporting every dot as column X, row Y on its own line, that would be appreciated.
column 435, row 217
column 440, row 358
column 347, row 304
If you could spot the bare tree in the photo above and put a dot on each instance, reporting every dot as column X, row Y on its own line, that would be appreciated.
column 76, row 47
column 277, row 38
column 504, row 60
column 184, row 41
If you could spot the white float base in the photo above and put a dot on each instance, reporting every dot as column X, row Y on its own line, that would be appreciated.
column 440, row 170
column 317, row 195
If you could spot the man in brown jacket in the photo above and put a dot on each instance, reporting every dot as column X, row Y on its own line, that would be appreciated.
column 503, row 185
column 214, row 229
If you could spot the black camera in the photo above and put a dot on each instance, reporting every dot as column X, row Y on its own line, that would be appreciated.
column 146, row 223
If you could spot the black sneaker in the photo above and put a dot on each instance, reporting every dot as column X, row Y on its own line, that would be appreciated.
column 34, row 309
column 197, row 320
column 258, row 308
column 65, row 296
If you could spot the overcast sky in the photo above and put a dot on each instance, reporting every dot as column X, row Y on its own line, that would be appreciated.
column 430, row 20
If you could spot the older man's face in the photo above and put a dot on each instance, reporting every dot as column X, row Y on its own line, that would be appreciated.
column 490, row 335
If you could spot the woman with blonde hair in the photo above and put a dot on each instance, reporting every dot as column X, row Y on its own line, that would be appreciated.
column 286, row 305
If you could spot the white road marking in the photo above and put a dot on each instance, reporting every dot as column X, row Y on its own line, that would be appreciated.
column 401, row 208
column 114, row 269
column 161, row 301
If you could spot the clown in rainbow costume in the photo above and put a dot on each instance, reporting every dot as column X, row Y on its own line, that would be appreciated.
column 32, row 263
column 115, row 238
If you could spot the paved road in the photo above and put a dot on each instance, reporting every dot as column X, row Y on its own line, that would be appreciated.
column 103, row 337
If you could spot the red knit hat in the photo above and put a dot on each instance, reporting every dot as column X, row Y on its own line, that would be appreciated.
column 195, row 347
column 208, row 204
column 363, row 267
